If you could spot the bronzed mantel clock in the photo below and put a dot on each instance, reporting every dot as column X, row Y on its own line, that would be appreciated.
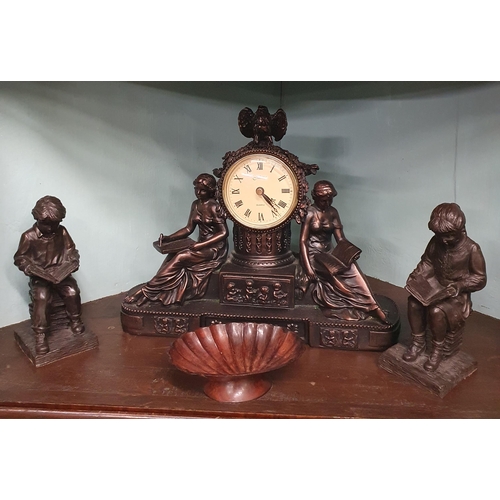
column 261, row 188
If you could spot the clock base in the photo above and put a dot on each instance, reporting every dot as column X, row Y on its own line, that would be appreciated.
column 306, row 319
column 266, row 287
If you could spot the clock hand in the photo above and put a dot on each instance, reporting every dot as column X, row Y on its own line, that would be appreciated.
column 271, row 202
column 260, row 191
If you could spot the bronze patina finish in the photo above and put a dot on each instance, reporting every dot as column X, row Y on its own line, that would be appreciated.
column 451, row 268
column 262, row 188
column 48, row 255
column 268, row 245
column 185, row 273
column 234, row 357
column 341, row 290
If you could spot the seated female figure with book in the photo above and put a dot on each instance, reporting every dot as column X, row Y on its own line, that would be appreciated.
column 451, row 267
column 338, row 285
column 186, row 271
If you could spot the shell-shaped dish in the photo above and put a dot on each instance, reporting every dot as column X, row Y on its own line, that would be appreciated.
column 235, row 349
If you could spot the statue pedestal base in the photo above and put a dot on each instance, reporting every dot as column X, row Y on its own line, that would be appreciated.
column 448, row 375
column 62, row 343
column 305, row 319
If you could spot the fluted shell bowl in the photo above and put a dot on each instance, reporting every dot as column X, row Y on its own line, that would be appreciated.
column 233, row 357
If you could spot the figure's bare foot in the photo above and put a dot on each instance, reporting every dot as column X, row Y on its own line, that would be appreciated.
column 378, row 313
column 130, row 299
column 138, row 297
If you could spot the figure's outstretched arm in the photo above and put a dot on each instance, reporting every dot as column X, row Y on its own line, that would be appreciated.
column 221, row 232
column 186, row 230
column 304, row 255
column 425, row 267
column 338, row 234
column 338, row 231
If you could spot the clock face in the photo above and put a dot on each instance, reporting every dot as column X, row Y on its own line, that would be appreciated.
column 260, row 191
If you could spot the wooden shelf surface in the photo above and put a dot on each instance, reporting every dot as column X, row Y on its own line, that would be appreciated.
column 130, row 376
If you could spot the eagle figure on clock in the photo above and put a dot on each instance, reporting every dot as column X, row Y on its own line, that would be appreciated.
column 262, row 188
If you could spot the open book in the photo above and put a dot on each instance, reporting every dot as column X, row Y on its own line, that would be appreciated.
column 173, row 246
column 55, row 274
column 426, row 290
column 340, row 258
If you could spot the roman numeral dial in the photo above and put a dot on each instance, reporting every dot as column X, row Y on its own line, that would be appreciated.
column 260, row 191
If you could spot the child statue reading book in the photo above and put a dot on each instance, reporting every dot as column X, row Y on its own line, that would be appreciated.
column 451, row 267
column 48, row 256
